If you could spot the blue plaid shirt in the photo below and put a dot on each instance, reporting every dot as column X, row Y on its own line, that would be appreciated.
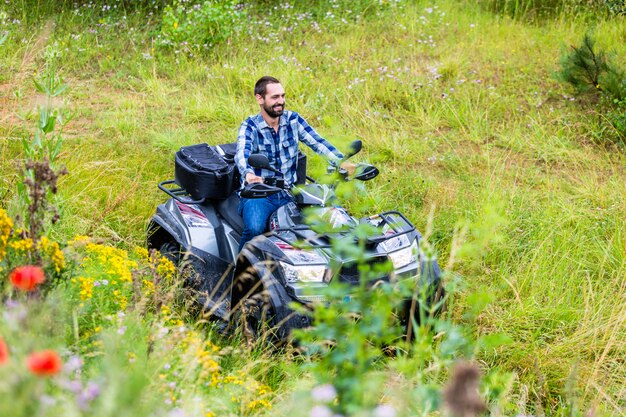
column 281, row 148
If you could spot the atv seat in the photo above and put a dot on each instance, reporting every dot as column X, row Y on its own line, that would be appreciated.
column 228, row 209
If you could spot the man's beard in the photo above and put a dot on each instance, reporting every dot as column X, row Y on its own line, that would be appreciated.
column 274, row 113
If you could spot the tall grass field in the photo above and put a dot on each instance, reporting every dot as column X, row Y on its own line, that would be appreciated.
column 515, row 177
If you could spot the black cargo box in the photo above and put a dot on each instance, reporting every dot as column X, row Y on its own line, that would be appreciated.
column 203, row 172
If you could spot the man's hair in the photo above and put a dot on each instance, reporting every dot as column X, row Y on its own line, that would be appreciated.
column 260, row 87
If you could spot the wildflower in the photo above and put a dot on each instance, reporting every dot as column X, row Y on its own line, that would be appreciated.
column 6, row 224
column 324, row 393
column 385, row 410
column 87, row 395
column 44, row 363
column 22, row 245
column 79, row 240
column 259, row 404
column 86, row 287
column 177, row 412
column 27, row 278
column 165, row 267
column 53, row 251
column 142, row 252
column 4, row 352
column 320, row 411
column 73, row 364
column 47, row 401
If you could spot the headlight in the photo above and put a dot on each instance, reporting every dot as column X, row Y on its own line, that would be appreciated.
column 404, row 256
column 303, row 273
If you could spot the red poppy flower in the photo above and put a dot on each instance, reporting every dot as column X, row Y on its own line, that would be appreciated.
column 4, row 352
column 44, row 363
column 27, row 277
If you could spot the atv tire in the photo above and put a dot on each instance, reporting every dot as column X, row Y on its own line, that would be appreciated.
column 171, row 251
column 424, row 306
column 252, row 312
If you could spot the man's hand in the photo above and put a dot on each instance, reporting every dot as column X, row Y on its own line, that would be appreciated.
column 250, row 178
column 349, row 167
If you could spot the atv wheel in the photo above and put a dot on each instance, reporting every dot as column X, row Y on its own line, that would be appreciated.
column 423, row 305
column 171, row 251
column 252, row 313
column 255, row 318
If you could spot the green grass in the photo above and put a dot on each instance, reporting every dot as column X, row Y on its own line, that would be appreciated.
column 458, row 109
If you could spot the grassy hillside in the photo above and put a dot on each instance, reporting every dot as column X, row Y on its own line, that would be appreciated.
column 455, row 104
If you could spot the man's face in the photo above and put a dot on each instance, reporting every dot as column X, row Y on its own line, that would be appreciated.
column 274, row 101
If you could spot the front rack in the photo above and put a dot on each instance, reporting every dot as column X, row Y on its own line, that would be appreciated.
column 398, row 228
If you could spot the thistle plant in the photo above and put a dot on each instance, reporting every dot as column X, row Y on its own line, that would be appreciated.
column 41, row 170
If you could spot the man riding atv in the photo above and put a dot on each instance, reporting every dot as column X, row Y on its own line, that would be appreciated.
column 274, row 133
column 208, row 225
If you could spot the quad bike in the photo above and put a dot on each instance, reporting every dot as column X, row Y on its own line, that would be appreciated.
column 199, row 229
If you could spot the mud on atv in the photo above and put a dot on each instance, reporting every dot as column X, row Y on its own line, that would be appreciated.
column 199, row 228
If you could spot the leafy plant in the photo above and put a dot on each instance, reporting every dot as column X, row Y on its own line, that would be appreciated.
column 40, row 172
column 198, row 26
column 532, row 9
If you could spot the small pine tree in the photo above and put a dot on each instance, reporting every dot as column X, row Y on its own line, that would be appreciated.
column 588, row 69
column 583, row 66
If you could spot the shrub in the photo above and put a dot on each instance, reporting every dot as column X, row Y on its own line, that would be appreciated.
column 590, row 70
column 532, row 9
column 198, row 26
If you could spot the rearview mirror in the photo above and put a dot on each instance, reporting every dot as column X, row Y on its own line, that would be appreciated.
column 365, row 172
column 257, row 160
column 354, row 148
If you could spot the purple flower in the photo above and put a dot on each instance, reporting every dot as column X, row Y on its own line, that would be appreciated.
column 87, row 395
column 385, row 410
column 321, row 411
column 177, row 412
column 324, row 393
column 73, row 364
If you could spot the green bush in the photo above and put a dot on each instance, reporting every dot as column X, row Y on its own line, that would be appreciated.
column 588, row 69
column 198, row 26
column 532, row 9
column 592, row 71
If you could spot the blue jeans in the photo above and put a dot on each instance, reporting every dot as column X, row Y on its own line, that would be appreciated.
column 256, row 212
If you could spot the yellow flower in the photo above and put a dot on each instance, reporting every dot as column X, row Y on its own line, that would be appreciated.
column 79, row 240
column 166, row 310
column 256, row 404
column 142, row 252
column 22, row 245
column 86, row 288
column 6, row 224
column 165, row 267
column 148, row 287
column 52, row 250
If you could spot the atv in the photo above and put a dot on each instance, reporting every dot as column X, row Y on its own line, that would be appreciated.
column 199, row 229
